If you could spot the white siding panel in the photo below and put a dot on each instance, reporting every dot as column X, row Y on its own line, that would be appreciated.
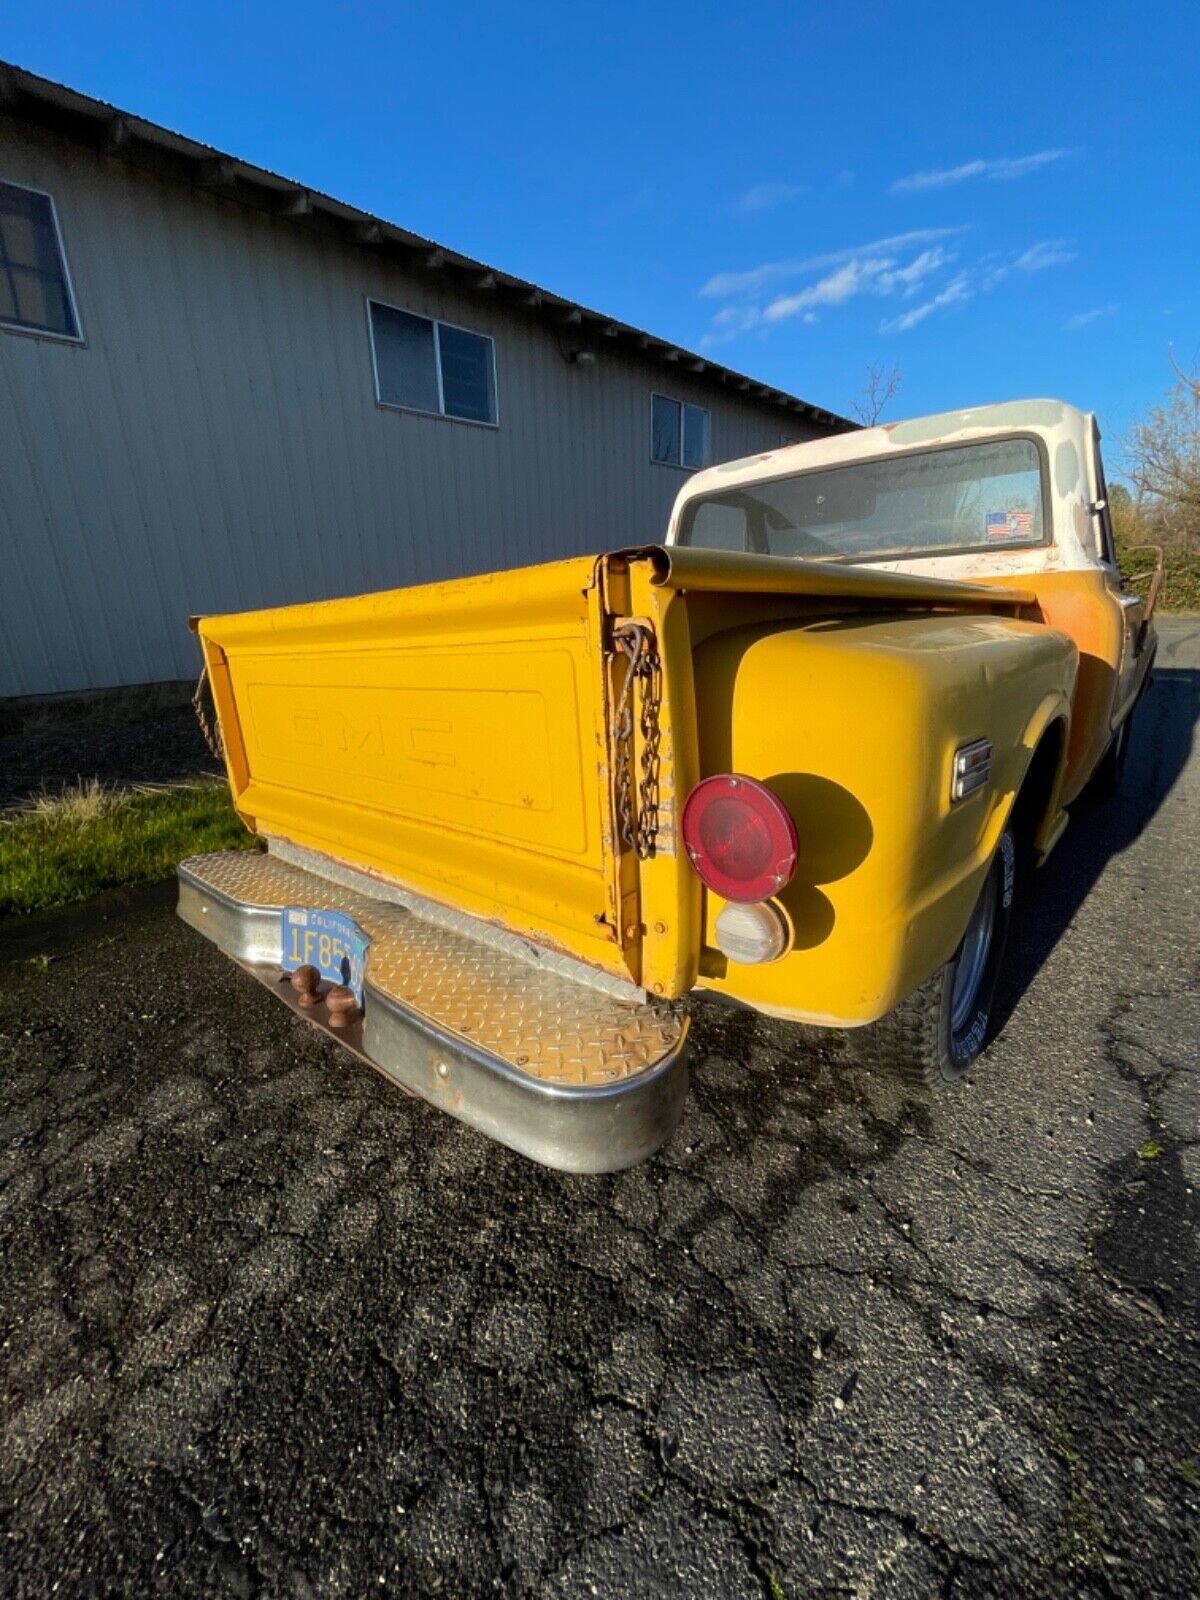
column 216, row 444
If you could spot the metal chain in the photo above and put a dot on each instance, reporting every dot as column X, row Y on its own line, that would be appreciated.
column 644, row 666
column 651, row 676
column 210, row 730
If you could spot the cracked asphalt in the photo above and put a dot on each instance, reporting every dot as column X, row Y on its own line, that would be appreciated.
column 269, row 1328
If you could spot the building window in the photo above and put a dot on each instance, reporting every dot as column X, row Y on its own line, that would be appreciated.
column 35, row 287
column 680, row 435
column 422, row 365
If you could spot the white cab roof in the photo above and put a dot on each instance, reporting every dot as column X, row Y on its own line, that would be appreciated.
column 1067, row 434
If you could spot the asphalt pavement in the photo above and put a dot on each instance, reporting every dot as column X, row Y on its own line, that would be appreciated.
column 269, row 1328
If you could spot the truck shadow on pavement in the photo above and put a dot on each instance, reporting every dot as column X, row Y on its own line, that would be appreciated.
column 1163, row 737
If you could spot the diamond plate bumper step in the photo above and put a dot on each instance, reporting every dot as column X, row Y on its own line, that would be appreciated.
column 558, row 1070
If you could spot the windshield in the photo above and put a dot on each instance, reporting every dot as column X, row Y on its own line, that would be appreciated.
column 962, row 497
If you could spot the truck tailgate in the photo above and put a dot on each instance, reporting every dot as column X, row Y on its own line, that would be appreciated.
column 451, row 738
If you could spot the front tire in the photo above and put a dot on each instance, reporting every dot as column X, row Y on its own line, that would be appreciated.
column 938, row 1033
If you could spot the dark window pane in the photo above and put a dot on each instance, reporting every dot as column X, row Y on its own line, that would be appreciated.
column 41, row 301
column 695, row 436
column 404, row 359
column 665, row 430
column 467, row 387
column 33, row 280
column 19, row 237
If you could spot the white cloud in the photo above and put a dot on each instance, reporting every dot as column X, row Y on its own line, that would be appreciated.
column 753, row 279
column 1037, row 258
column 910, row 278
column 1003, row 169
column 833, row 290
column 956, row 292
column 1083, row 319
column 1047, row 253
column 931, row 276
column 732, row 320
column 763, row 196
column 864, row 274
column 987, row 275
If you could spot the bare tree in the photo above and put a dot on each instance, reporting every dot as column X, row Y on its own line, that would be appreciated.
column 882, row 386
column 1162, row 459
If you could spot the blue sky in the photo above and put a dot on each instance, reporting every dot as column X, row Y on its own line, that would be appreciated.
column 1002, row 200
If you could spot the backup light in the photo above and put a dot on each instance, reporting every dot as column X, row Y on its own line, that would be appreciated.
column 739, row 838
column 751, row 934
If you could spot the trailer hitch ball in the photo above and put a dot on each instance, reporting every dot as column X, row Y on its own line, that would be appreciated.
column 341, row 1005
column 305, row 981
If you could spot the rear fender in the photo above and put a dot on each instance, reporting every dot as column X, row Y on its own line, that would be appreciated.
column 854, row 722
column 1027, row 799
column 1043, row 815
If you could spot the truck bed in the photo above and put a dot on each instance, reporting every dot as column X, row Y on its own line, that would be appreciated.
column 458, row 739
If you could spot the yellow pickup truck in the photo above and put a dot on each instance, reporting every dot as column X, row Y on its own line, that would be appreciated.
column 796, row 755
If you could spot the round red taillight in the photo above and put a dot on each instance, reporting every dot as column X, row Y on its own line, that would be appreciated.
column 739, row 837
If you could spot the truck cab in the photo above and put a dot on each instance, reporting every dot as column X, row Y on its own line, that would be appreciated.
column 1008, row 493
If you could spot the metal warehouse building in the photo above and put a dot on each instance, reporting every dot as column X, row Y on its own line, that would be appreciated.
column 221, row 390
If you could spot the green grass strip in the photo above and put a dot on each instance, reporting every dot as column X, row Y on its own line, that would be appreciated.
column 67, row 848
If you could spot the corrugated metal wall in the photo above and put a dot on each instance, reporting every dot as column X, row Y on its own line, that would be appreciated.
column 216, row 444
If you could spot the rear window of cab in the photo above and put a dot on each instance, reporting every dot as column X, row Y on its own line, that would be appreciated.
column 987, row 495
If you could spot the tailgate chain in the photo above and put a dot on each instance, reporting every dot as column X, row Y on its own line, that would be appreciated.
column 636, row 640
column 209, row 729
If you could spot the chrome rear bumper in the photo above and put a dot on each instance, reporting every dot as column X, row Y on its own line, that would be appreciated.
column 553, row 1068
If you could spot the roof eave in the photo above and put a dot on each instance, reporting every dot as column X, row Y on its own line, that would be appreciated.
column 111, row 131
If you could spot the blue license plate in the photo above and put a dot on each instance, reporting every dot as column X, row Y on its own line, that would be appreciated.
column 327, row 940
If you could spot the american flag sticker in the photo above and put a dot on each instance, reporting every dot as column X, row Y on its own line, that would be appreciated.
column 1008, row 525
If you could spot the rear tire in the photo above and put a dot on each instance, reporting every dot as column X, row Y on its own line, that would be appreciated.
column 938, row 1033
column 1111, row 771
